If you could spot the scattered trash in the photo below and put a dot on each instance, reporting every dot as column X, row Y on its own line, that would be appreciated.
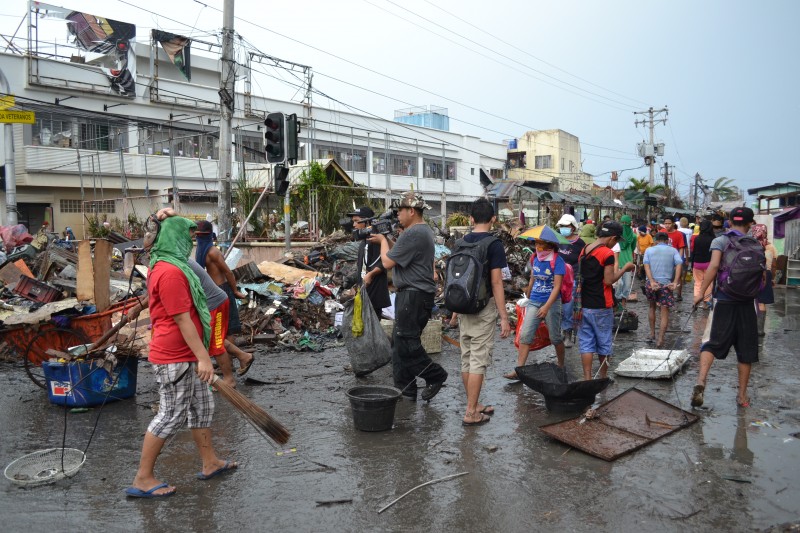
column 764, row 424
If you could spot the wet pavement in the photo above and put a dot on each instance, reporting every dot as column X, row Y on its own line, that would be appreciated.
column 734, row 470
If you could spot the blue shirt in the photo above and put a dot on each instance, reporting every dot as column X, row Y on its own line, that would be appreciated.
column 544, row 278
column 662, row 259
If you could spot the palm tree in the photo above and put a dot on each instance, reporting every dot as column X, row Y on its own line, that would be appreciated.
column 722, row 190
column 643, row 185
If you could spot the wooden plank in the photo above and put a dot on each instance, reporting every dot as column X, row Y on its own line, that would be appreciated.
column 84, row 290
column 102, row 274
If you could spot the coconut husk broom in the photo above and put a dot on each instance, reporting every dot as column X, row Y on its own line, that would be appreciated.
column 258, row 417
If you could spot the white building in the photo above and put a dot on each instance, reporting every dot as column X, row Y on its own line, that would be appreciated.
column 93, row 150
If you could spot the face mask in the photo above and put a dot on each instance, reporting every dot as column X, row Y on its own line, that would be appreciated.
column 544, row 255
column 566, row 232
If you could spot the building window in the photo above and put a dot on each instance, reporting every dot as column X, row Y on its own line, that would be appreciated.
column 70, row 206
column 543, row 161
column 250, row 149
column 562, row 164
column 496, row 173
column 75, row 206
column 517, row 160
column 101, row 206
column 472, row 171
column 349, row 158
column 402, row 165
column 155, row 140
column 378, row 164
column 432, row 169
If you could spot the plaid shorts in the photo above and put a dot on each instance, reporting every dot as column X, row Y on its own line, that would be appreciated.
column 182, row 396
column 662, row 296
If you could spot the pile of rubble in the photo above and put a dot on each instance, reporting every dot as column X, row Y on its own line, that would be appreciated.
column 293, row 303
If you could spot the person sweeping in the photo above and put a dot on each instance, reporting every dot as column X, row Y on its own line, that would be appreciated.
column 178, row 351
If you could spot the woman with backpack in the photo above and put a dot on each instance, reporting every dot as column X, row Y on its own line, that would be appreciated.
column 544, row 302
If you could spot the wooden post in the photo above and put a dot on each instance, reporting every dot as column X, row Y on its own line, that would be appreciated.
column 94, row 273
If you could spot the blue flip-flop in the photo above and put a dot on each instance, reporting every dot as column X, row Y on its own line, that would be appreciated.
column 133, row 492
column 227, row 467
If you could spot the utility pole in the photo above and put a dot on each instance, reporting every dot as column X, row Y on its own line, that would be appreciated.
column 444, row 191
column 697, row 180
column 651, row 150
column 227, row 98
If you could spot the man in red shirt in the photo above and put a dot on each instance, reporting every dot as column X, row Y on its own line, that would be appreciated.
column 178, row 351
column 678, row 241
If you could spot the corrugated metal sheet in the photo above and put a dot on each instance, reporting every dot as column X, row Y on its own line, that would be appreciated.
column 792, row 232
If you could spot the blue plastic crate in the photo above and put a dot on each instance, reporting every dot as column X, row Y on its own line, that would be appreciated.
column 82, row 384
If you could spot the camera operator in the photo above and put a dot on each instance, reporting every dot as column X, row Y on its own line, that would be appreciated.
column 411, row 257
column 369, row 266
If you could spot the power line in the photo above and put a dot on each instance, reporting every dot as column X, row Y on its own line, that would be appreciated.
column 501, row 55
column 495, row 37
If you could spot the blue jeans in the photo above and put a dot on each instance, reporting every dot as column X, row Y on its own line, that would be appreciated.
column 596, row 332
column 567, row 309
column 531, row 323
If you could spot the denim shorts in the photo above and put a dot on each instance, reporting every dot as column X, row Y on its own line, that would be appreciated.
column 531, row 323
column 596, row 331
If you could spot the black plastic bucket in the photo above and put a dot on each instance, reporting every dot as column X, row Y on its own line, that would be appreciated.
column 373, row 406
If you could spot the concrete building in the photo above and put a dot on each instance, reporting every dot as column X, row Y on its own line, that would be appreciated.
column 94, row 150
column 551, row 158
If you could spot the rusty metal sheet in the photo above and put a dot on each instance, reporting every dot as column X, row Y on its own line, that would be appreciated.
column 628, row 422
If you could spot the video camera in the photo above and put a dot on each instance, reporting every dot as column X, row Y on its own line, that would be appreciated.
column 383, row 224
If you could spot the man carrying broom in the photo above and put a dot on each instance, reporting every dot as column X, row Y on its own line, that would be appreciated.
column 181, row 331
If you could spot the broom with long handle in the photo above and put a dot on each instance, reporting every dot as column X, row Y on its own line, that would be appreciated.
column 258, row 417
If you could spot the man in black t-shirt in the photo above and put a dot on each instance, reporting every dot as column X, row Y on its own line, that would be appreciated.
column 477, row 331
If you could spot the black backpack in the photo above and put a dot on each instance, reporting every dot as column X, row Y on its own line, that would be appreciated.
column 741, row 270
column 467, row 274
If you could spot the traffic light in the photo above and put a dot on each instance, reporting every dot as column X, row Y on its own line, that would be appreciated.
column 275, row 138
column 292, row 129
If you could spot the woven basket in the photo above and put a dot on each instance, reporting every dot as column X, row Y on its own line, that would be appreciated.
column 431, row 336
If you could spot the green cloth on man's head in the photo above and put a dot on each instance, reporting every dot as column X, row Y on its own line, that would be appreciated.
column 173, row 245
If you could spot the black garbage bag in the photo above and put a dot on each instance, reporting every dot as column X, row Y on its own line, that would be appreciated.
column 371, row 349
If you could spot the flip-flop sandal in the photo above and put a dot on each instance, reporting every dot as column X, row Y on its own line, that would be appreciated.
column 484, row 419
column 743, row 404
column 133, row 492
column 511, row 376
column 487, row 410
column 227, row 467
column 243, row 370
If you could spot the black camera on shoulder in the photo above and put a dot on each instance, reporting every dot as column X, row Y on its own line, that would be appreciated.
column 383, row 224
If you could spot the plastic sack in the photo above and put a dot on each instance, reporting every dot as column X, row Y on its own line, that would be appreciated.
column 370, row 350
column 542, row 337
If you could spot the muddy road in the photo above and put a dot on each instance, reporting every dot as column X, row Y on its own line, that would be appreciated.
column 734, row 470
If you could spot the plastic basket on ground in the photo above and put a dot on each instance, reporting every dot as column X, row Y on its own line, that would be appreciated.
column 45, row 466
column 85, row 384
column 560, row 394
column 431, row 336
column 373, row 406
column 652, row 363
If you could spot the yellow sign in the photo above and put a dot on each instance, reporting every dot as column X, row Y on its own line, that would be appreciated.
column 6, row 101
column 18, row 117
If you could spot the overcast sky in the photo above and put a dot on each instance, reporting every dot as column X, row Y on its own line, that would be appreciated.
column 726, row 69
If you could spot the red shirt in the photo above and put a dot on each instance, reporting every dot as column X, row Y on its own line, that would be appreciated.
column 169, row 294
column 595, row 294
column 676, row 239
